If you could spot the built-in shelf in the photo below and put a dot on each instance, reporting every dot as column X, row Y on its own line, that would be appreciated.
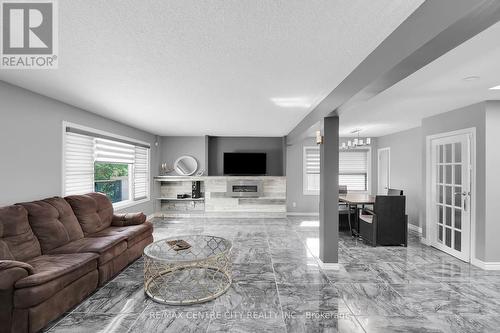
column 181, row 199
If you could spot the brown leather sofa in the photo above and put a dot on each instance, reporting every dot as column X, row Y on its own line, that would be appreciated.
column 55, row 252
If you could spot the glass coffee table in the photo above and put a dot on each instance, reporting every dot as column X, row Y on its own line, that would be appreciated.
column 198, row 274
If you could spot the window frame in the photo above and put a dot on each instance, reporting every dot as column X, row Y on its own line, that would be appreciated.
column 307, row 191
column 118, row 205
column 305, row 188
column 368, row 170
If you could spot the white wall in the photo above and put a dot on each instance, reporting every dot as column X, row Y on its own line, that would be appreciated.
column 406, row 167
column 31, row 144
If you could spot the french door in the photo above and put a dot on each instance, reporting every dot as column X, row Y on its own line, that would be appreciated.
column 450, row 209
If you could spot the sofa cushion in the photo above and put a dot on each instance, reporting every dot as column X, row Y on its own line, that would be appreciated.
column 17, row 241
column 52, row 274
column 126, row 219
column 53, row 222
column 133, row 233
column 94, row 211
column 106, row 247
column 48, row 267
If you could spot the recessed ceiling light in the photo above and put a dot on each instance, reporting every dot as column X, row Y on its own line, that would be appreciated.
column 495, row 88
column 471, row 78
column 292, row 102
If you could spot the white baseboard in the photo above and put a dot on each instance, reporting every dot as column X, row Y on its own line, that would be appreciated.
column 329, row 265
column 415, row 228
column 301, row 214
column 425, row 241
column 486, row 265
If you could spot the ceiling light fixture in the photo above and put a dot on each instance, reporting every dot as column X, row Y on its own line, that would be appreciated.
column 292, row 102
column 357, row 142
column 495, row 88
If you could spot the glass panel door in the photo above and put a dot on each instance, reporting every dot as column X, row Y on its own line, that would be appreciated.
column 451, row 195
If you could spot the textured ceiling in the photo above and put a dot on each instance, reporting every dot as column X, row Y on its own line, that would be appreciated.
column 438, row 87
column 195, row 67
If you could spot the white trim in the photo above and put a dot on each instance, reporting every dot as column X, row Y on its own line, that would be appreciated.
column 328, row 265
column 415, row 228
column 486, row 265
column 428, row 187
column 301, row 214
column 388, row 165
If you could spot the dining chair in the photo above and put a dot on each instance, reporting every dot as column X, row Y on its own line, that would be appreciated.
column 393, row 191
column 387, row 223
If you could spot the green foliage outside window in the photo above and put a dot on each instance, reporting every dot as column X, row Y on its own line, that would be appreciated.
column 104, row 182
column 106, row 171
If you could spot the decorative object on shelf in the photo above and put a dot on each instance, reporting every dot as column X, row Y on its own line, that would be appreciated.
column 196, row 189
column 356, row 142
column 200, row 172
column 164, row 169
column 186, row 165
column 319, row 137
column 183, row 196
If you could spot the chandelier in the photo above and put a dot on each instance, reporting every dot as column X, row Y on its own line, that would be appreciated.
column 356, row 142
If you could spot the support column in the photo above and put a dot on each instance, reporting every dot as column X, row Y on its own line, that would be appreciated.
column 329, row 191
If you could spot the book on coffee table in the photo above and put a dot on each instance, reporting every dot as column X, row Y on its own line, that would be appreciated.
column 179, row 244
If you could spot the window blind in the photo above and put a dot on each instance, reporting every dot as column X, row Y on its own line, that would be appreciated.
column 353, row 170
column 78, row 164
column 311, row 170
column 141, row 173
column 82, row 149
column 113, row 151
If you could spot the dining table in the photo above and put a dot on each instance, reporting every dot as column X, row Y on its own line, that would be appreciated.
column 355, row 200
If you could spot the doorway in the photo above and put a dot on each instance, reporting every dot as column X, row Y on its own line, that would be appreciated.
column 450, row 183
column 384, row 170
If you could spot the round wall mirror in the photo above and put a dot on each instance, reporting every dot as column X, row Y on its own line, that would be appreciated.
column 186, row 165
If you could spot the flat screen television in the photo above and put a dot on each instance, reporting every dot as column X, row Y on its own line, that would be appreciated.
column 244, row 164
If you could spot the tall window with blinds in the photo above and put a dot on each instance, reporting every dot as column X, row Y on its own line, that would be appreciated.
column 353, row 170
column 102, row 163
column 311, row 170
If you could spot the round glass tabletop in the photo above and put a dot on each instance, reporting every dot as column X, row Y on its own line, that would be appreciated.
column 200, row 247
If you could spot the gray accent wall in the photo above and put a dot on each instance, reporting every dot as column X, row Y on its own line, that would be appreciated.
column 492, row 184
column 173, row 147
column 406, row 167
column 31, row 144
column 272, row 146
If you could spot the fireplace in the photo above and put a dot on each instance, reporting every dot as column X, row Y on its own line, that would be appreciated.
column 243, row 188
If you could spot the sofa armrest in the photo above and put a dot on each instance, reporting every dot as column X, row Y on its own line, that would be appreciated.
column 123, row 220
column 11, row 271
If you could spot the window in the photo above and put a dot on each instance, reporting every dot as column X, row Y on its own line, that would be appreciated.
column 311, row 170
column 353, row 170
column 97, row 161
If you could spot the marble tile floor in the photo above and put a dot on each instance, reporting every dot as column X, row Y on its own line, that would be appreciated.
column 278, row 286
